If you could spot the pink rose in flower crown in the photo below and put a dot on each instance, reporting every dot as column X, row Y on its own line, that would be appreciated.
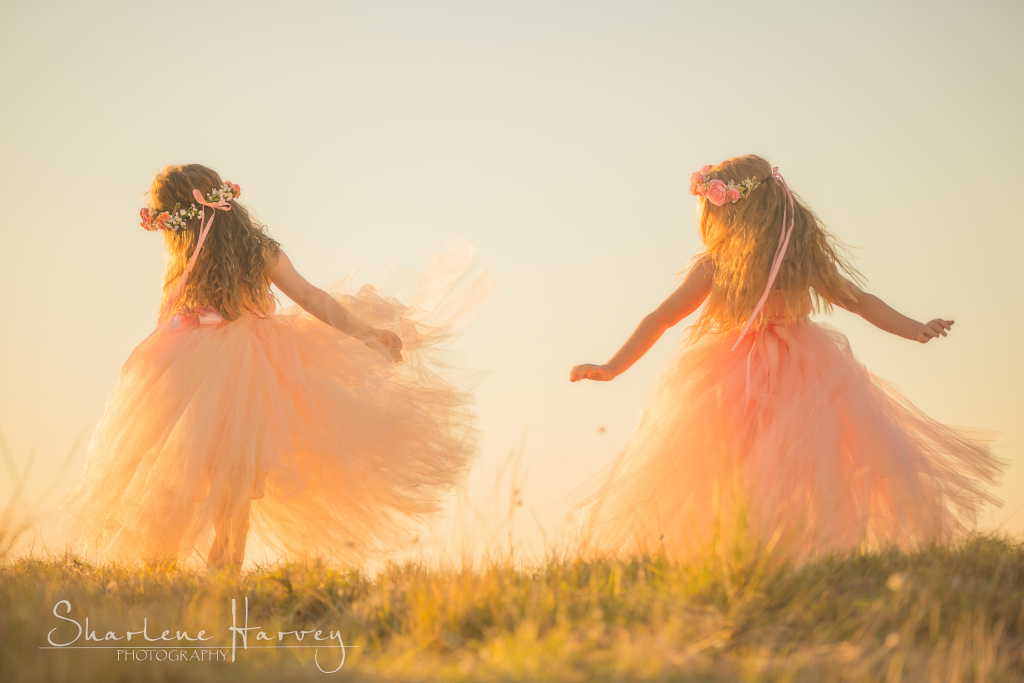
column 147, row 222
column 162, row 219
column 696, row 180
column 733, row 195
column 717, row 192
column 237, row 189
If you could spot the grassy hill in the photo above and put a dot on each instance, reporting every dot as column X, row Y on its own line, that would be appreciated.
column 944, row 613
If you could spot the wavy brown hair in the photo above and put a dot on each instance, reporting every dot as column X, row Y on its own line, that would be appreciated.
column 232, row 273
column 742, row 238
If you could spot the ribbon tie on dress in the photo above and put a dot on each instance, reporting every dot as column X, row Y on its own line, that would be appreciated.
column 207, row 315
column 780, row 253
column 767, row 346
column 221, row 205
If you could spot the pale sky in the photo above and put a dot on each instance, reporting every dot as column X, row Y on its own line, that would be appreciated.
column 557, row 137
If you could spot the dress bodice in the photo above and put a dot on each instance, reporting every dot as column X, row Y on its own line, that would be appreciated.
column 208, row 315
column 775, row 309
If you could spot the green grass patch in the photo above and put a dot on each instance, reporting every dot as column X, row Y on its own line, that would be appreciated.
column 943, row 613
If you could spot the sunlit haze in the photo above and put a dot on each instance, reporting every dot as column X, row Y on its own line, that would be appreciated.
column 558, row 138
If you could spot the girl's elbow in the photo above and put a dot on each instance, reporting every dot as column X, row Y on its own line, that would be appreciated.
column 314, row 296
column 309, row 303
column 853, row 300
column 658, row 322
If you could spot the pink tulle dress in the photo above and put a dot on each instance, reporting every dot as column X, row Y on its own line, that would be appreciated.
column 340, row 453
column 812, row 454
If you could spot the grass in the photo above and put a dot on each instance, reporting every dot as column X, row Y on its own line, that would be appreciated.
column 951, row 613
column 944, row 613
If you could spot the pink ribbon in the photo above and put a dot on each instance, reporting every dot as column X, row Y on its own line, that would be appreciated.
column 780, row 253
column 221, row 205
column 207, row 315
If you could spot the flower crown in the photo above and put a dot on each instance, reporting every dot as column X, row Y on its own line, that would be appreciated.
column 718, row 192
column 175, row 219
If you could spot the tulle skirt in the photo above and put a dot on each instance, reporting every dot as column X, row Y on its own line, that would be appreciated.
column 787, row 442
column 336, row 451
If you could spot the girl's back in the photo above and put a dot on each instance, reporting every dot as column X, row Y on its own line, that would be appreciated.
column 743, row 238
column 232, row 270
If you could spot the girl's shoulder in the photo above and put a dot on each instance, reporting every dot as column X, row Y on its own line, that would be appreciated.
column 271, row 254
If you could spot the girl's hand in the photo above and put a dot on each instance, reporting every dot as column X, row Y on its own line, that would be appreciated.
column 933, row 329
column 391, row 343
column 598, row 373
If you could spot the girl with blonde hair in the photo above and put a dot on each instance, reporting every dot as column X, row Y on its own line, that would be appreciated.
column 324, row 429
column 766, row 424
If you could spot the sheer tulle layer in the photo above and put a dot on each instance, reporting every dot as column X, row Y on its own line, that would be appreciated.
column 338, row 451
column 818, row 455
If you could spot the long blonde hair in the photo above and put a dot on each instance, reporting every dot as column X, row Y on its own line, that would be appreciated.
column 232, row 273
column 741, row 239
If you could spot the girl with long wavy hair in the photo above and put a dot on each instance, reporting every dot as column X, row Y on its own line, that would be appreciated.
column 765, row 425
column 325, row 429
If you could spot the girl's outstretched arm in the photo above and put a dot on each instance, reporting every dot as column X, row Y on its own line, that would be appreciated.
column 882, row 316
column 323, row 307
column 685, row 300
